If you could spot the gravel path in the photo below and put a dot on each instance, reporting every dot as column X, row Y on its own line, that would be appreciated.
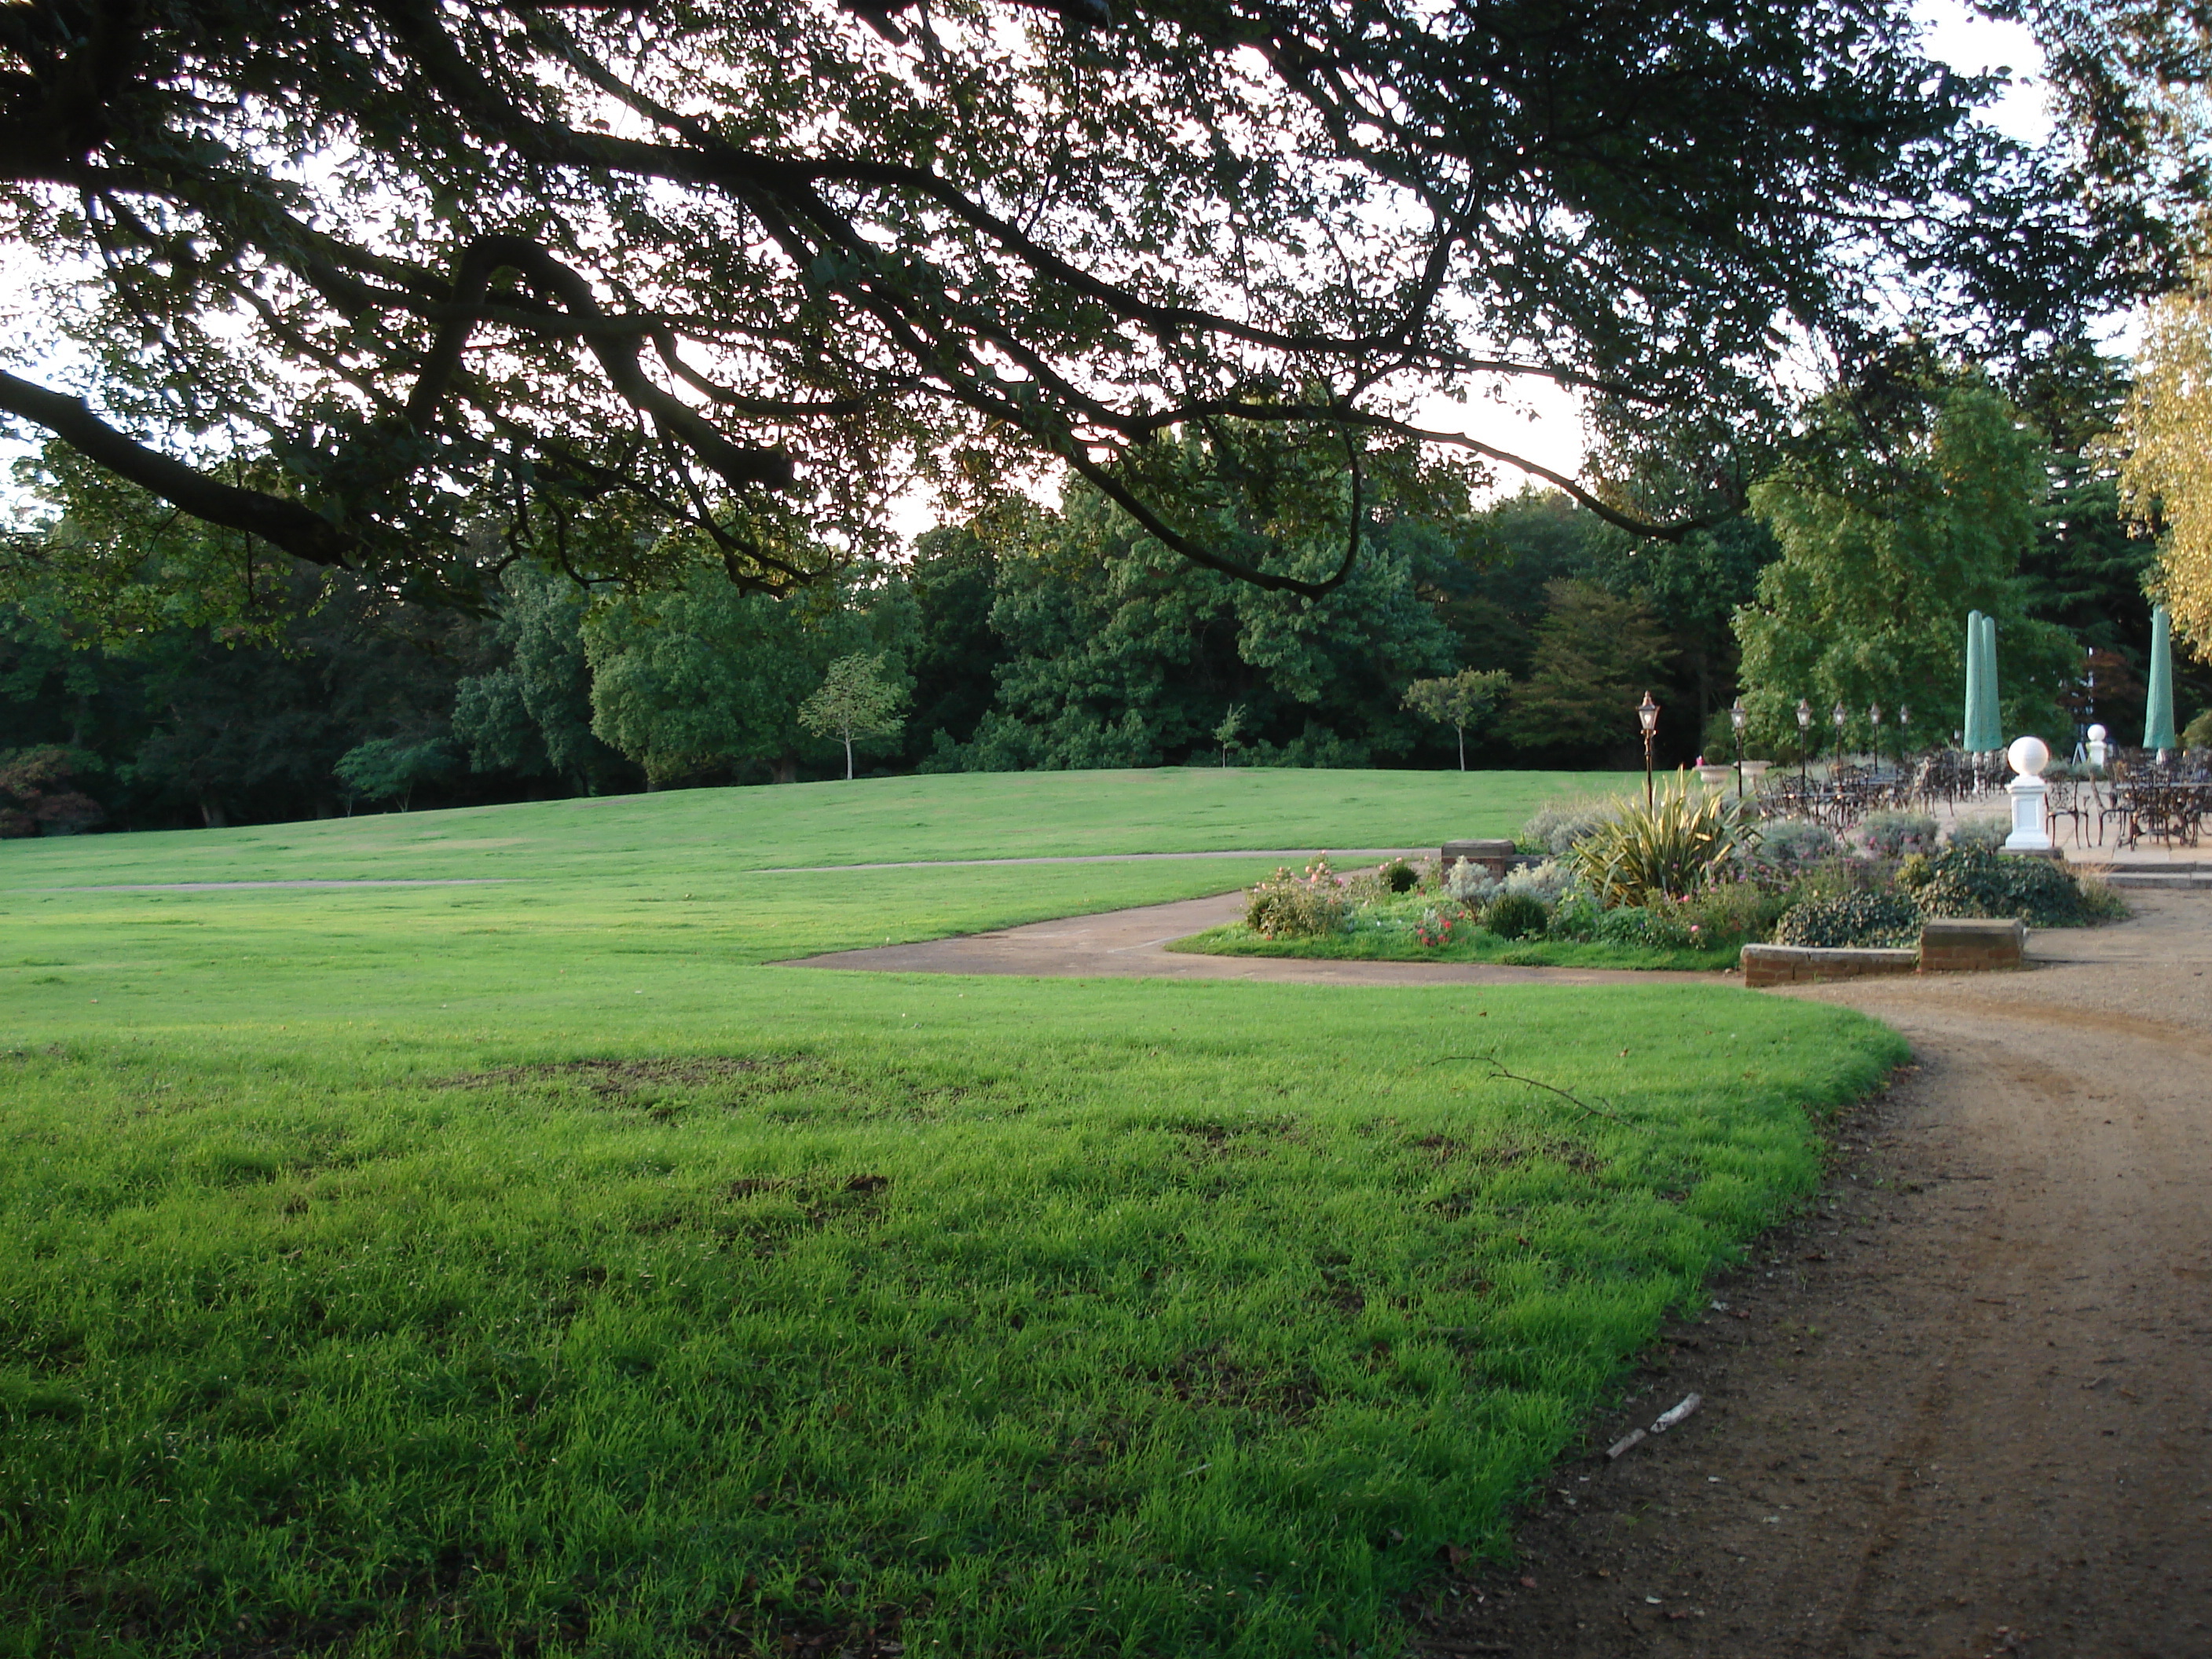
column 1132, row 944
column 1963, row 1407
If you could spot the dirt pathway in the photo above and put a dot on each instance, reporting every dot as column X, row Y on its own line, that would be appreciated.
column 1963, row 1407
column 1133, row 943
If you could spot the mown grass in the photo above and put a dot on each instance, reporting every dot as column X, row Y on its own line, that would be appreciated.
column 527, row 1269
column 1003, row 815
column 1466, row 945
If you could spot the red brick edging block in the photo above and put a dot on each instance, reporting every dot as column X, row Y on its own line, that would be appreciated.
column 1805, row 964
column 1966, row 944
column 1971, row 944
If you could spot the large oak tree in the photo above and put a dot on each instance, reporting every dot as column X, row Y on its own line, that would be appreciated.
column 746, row 269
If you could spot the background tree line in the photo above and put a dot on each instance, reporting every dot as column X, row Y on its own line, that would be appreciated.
column 1065, row 637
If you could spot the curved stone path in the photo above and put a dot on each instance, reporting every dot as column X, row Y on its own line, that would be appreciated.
column 1132, row 945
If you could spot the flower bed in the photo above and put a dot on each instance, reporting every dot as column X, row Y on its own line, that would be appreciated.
column 1685, row 884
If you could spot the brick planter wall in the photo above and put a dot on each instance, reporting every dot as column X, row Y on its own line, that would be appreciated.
column 1803, row 964
column 1971, row 944
column 1495, row 856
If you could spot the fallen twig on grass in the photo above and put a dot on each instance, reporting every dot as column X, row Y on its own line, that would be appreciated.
column 1498, row 1073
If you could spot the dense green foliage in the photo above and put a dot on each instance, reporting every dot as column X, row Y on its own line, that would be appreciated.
column 706, row 677
column 1516, row 915
column 531, row 717
column 1119, row 652
column 1597, row 654
column 1034, row 638
column 1883, row 919
column 473, row 1279
column 188, row 722
column 1975, row 881
column 1887, row 541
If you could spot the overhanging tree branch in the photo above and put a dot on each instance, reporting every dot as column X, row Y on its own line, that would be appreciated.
column 297, row 529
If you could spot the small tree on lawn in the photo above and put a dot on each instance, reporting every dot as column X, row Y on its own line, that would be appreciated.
column 853, row 703
column 1225, row 734
column 388, row 768
column 1458, row 700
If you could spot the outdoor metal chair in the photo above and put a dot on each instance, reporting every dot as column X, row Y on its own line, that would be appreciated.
column 2063, row 800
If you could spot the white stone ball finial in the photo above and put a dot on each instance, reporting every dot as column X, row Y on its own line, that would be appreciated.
column 2028, row 755
column 2097, row 734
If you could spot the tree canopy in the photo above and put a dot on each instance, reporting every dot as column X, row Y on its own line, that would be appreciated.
column 604, row 267
column 1889, row 535
column 2167, row 470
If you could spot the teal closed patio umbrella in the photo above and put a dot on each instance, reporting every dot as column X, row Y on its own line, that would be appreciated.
column 1971, row 719
column 1983, row 733
column 1992, row 723
column 2158, row 711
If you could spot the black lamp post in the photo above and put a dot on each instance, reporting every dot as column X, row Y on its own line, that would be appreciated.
column 1647, row 714
column 1804, row 738
column 1904, row 731
column 1839, row 715
column 1874, row 721
column 1736, row 718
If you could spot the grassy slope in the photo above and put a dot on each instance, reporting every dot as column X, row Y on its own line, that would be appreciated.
column 1104, row 1315
column 1003, row 815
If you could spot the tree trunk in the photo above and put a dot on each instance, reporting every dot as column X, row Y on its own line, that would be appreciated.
column 1461, row 730
column 211, row 813
column 848, row 758
column 786, row 768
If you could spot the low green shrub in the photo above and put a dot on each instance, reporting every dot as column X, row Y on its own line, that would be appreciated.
column 1733, row 912
column 1965, row 880
column 1399, row 877
column 1575, row 918
column 1853, row 919
column 1286, row 905
column 1785, row 846
column 1895, row 835
column 1985, row 835
column 1652, row 925
column 1555, row 829
column 1516, row 915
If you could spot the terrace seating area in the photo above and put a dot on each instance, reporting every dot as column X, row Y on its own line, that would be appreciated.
column 2134, row 800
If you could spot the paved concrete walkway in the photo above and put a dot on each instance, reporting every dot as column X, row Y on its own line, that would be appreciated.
column 1132, row 945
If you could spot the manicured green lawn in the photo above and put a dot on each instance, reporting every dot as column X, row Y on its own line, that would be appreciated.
column 686, row 833
column 528, row 1268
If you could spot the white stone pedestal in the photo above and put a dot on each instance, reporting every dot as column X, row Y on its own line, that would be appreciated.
column 2029, row 756
column 2027, row 834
